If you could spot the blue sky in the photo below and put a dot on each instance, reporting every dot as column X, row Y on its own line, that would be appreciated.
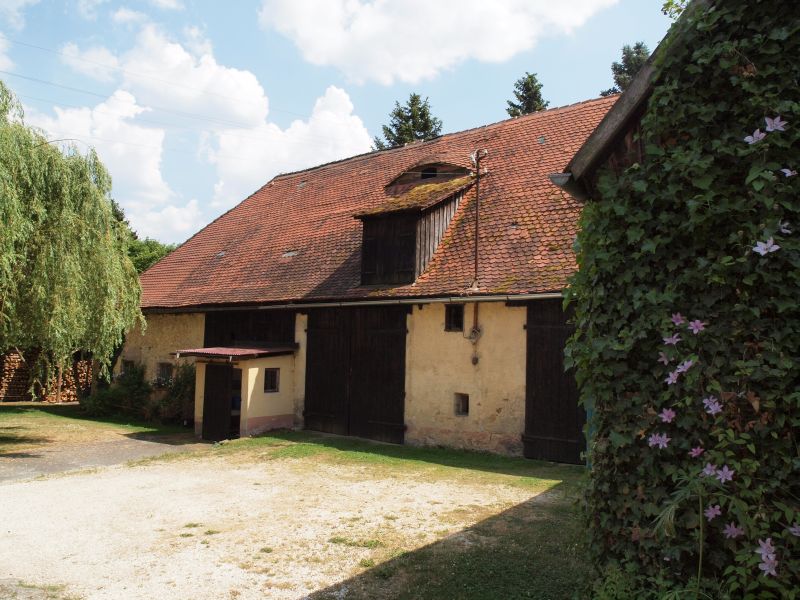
column 194, row 105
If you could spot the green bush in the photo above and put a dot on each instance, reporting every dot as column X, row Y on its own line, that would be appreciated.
column 177, row 405
column 695, row 483
column 129, row 395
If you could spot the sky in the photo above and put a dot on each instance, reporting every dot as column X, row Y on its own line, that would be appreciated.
column 192, row 106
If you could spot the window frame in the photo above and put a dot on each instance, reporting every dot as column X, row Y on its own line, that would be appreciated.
column 277, row 372
column 448, row 317
column 461, row 404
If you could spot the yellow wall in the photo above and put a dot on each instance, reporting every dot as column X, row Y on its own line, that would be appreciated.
column 267, row 410
column 439, row 365
column 163, row 335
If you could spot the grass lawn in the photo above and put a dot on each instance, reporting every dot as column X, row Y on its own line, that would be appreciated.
column 28, row 425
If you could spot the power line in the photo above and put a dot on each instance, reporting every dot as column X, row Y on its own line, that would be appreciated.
column 228, row 132
column 142, row 75
column 105, row 96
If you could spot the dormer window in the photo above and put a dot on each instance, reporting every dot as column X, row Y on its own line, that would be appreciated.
column 401, row 234
column 428, row 173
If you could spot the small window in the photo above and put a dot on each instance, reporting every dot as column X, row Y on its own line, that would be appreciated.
column 462, row 405
column 128, row 366
column 428, row 173
column 454, row 317
column 165, row 371
column 271, row 380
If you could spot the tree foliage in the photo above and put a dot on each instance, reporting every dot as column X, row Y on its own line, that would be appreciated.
column 633, row 58
column 409, row 123
column 145, row 253
column 66, row 283
column 528, row 94
column 694, row 489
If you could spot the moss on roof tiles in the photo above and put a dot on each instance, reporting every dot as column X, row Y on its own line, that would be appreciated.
column 421, row 197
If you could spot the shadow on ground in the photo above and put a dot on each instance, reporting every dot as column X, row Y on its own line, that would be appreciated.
column 376, row 452
column 532, row 550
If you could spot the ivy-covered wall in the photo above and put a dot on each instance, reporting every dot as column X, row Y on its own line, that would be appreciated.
column 688, row 315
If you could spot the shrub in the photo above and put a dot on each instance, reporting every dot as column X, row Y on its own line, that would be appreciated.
column 694, row 489
column 177, row 405
column 128, row 395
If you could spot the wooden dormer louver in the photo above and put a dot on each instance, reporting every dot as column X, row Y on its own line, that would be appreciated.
column 401, row 235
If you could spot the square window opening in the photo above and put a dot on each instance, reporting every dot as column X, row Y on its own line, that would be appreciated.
column 164, row 371
column 454, row 317
column 462, row 405
column 128, row 366
column 271, row 380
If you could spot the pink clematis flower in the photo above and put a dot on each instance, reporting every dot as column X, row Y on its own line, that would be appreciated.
column 709, row 470
column 658, row 439
column 775, row 124
column 769, row 562
column 672, row 378
column 764, row 248
column 712, row 512
column 678, row 319
column 697, row 451
column 672, row 340
column 732, row 531
column 725, row 474
column 795, row 530
column 785, row 228
column 788, row 172
column 757, row 136
column 667, row 415
column 712, row 405
column 663, row 358
column 684, row 366
column 697, row 326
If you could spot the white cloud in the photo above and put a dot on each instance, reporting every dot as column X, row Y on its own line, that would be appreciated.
column 197, row 41
column 162, row 72
column 126, row 16
column 12, row 11
column 132, row 154
column 168, row 4
column 96, row 62
column 6, row 64
column 412, row 40
column 247, row 159
column 88, row 8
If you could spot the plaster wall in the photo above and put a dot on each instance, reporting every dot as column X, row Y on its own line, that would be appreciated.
column 163, row 335
column 262, row 410
column 439, row 364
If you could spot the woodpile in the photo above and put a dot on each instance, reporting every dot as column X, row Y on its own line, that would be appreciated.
column 15, row 380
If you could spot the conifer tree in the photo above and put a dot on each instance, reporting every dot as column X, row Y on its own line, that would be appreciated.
column 408, row 123
column 528, row 93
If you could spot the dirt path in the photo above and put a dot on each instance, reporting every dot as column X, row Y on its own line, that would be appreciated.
column 216, row 528
column 57, row 458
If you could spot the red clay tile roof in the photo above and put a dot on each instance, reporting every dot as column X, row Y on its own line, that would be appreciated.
column 528, row 225
column 238, row 353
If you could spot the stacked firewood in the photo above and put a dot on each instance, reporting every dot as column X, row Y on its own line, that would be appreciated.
column 15, row 380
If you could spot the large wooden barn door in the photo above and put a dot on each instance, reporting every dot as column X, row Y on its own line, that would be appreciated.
column 327, row 371
column 377, row 381
column 553, row 419
column 355, row 372
column 217, row 402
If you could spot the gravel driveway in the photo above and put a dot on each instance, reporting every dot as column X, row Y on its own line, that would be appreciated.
column 209, row 526
column 60, row 458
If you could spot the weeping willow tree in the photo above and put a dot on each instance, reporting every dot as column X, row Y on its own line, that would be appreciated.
column 66, row 282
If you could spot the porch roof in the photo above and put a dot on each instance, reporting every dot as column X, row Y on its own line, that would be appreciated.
column 232, row 354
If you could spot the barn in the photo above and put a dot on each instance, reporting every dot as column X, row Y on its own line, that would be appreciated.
column 411, row 295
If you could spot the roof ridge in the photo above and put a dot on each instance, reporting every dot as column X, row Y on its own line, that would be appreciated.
column 420, row 143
